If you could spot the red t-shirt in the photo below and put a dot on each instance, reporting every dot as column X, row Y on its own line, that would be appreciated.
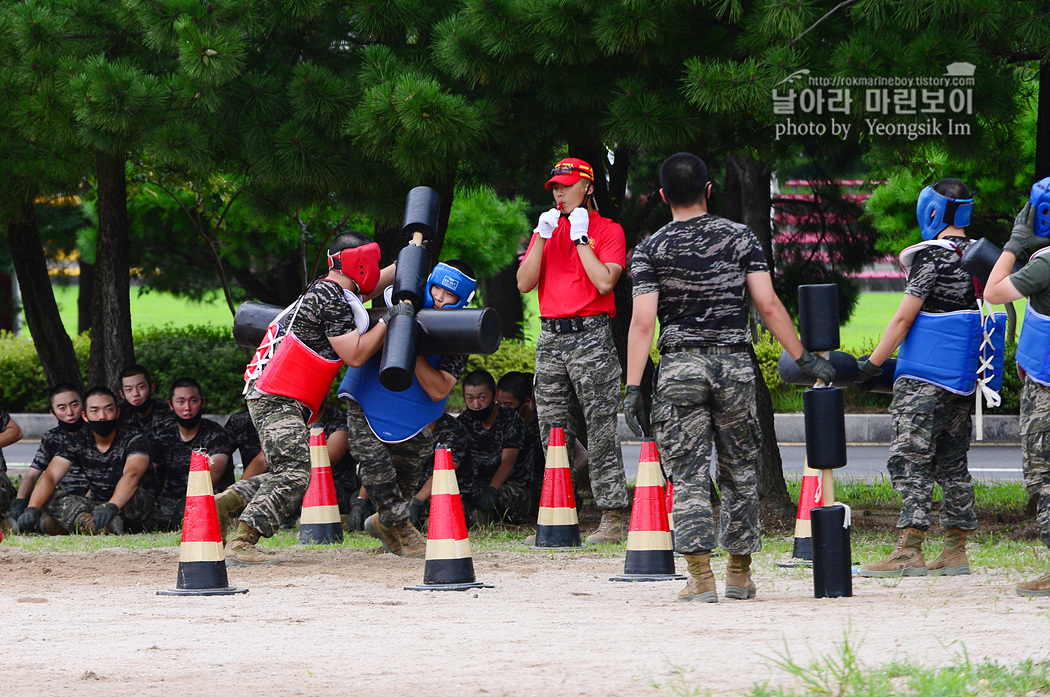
column 564, row 289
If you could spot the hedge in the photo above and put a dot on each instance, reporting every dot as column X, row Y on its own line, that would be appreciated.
column 210, row 355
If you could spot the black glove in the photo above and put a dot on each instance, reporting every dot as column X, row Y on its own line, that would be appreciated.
column 18, row 507
column 418, row 513
column 27, row 522
column 868, row 369
column 816, row 366
column 103, row 516
column 634, row 410
column 487, row 499
column 359, row 510
column 402, row 308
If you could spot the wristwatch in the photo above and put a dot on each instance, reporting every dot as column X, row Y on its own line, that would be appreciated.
column 582, row 240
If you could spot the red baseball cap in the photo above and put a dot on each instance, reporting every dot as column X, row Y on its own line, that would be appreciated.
column 569, row 171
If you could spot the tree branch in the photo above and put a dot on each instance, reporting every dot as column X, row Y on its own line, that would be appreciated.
column 813, row 26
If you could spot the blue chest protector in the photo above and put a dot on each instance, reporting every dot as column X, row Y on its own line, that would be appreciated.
column 393, row 416
column 947, row 349
column 1033, row 347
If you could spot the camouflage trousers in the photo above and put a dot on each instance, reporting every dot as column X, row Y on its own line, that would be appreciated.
column 390, row 472
column 580, row 368
column 1035, row 450
column 139, row 514
column 702, row 399
column 513, row 500
column 285, row 438
column 931, row 436
column 8, row 494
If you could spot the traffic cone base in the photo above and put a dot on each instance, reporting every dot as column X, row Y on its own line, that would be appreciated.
column 449, row 565
column 650, row 556
column 557, row 525
column 802, row 549
column 202, row 568
column 319, row 522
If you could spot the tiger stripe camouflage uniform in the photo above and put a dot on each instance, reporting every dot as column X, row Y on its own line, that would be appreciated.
column 281, row 421
column 103, row 471
column 392, row 472
column 173, row 467
column 8, row 492
column 486, row 446
column 931, row 426
column 74, row 481
column 576, row 359
column 705, row 390
column 244, row 436
column 1034, row 281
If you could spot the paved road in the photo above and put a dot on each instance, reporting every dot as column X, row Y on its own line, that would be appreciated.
column 864, row 461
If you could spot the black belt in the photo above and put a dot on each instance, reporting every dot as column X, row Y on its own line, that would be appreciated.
column 569, row 325
column 708, row 350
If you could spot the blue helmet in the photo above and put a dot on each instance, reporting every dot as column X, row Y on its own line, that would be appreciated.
column 936, row 211
column 1040, row 200
column 454, row 281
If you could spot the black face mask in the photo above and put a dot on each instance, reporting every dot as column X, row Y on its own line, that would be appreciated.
column 190, row 422
column 102, row 428
column 142, row 408
column 480, row 414
column 71, row 427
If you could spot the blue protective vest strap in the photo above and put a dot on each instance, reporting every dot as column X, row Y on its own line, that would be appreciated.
column 943, row 349
column 393, row 416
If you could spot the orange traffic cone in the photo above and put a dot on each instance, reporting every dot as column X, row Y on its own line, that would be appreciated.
column 319, row 522
column 809, row 498
column 650, row 556
column 202, row 568
column 449, row 566
column 669, row 503
column 557, row 524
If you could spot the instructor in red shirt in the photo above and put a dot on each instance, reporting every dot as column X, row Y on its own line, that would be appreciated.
column 574, row 259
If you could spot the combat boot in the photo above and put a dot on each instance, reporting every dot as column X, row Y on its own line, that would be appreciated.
column 412, row 543
column 49, row 526
column 610, row 529
column 953, row 561
column 229, row 505
column 906, row 560
column 241, row 551
column 1038, row 587
column 388, row 536
column 701, row 583
column 738, row 577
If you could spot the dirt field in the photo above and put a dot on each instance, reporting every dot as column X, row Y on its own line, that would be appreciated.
column 337, row 622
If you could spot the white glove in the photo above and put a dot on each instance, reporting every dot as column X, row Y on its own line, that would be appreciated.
column 579, row 221
column 548, row 221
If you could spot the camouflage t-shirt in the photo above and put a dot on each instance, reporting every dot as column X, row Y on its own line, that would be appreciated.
column 244, row 436
column 332, row 421
column 937, row 277
column 531, row 453
column 104, row 470
column 699, row 267
column 454, row 364
column 324, row 312
column 449, row 432
column 173, row 457
column 486, row 446
column 161, row 417
column 74, row 482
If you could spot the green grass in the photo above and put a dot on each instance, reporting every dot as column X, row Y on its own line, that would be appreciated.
column 153, row 309
column 1000, row 496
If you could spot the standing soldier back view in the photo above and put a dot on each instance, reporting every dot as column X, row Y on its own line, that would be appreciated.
column 574, row 260
column 695, row 274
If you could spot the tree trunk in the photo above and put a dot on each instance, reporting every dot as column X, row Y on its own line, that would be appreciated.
column 112, row 348
column 85, row 296
column 53, row 345
column 755, row 199
column 501, row 293
column 1042, row 125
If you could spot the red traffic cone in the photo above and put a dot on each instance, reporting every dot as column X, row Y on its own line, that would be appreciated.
column 449, row 566
column 650, row 556
column 669, row 503
column 202, row 568
column 557, row 524
column 319, row 522
column 809, row 498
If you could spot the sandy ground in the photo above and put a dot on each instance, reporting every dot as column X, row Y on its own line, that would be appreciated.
column 338, row 622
